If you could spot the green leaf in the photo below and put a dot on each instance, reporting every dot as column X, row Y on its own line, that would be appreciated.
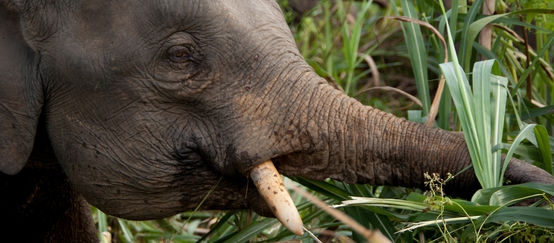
column 490, row 55
column 475, row 29
column 537, row 216
column 252, row 230
column 418, row 55
column 371, row 220
column 535, row 61
column 463, row 101
column 530, row 114
column 126, row 231
column 544, row 147
column 386, row 202
column 102, row 224
column 501, row 196
column 220, row 228
column 416, row 116
column 499, row 94
column 515, row 21
column 351, row 43
column 416, row 202
column 324, row 188
column 525, row 133
column 370, row 217
column 482, row 110
column 465, row 45
column 462, row 207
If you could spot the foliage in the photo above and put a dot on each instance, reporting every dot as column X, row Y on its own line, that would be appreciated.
column 379, row 61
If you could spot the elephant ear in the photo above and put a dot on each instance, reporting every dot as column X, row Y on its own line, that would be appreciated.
column 21, row 95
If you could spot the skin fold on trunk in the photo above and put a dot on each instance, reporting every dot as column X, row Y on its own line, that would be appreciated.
column 342, row 139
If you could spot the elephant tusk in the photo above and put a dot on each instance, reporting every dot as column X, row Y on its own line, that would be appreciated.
column 270, row 185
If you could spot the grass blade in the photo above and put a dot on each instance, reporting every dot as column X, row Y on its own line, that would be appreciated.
column 527, row 131
column 252, row 230
column 476, row 27
column 530, row 215
column 466, row 46
column 102, row 224
column 459, row 89
column 482, row 111
column 499, row 92
column 128, row 236
column 418, row 55
column 509, row 194
column 543, row 144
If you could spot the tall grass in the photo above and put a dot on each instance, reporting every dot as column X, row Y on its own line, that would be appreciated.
column 482, row 121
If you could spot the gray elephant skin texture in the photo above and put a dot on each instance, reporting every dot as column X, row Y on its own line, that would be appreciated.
column 141, row 107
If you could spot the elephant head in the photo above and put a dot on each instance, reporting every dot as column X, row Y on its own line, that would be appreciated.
column 150, row 106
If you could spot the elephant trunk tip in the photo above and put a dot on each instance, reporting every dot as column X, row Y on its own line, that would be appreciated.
column 270, row 185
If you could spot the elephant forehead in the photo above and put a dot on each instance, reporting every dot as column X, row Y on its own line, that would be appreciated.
column 104, row 26
column 101, row 24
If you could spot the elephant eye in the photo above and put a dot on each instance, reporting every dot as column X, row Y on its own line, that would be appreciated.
column 179, row 54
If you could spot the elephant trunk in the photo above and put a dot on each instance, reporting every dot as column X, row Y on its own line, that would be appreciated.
column 342, row 139
column 326, row 134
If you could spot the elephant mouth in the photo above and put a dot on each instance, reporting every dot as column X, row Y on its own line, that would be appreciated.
column 270, row 186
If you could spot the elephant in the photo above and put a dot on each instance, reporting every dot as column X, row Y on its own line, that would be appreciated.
column 141, row 108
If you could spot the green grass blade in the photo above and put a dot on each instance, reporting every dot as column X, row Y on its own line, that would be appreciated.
column 459, row 89
column 499, row 94
column 351, row 39
column 506, row 194
column 445, row 108
column 537, row 216
column 543, row 144
column 453, row 18
column 102, row 224
column 218, row 227
column 128, row 236
column 490, row 55
column 536, row 112
column 482, row 111
column 420, row 204
column 515, row 21
column 418, row 55
column 527, row 131
column 324, row 188
column 252, row 230
column 370, row 220
column 535, row 62
column 466, row 46
column 475, row 29
column 385, row 202
column 438, row 223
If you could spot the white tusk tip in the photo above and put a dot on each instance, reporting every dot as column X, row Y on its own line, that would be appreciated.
column 270, row 185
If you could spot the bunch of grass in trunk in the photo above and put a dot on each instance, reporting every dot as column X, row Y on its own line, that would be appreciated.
column 481, row 115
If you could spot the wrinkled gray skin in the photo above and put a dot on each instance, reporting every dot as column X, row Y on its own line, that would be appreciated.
column 142, row 107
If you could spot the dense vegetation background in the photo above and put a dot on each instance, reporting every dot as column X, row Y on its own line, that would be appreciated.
column 394, row 63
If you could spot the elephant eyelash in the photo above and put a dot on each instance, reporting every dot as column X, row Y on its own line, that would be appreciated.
column 180, row 48
column 179, row 54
